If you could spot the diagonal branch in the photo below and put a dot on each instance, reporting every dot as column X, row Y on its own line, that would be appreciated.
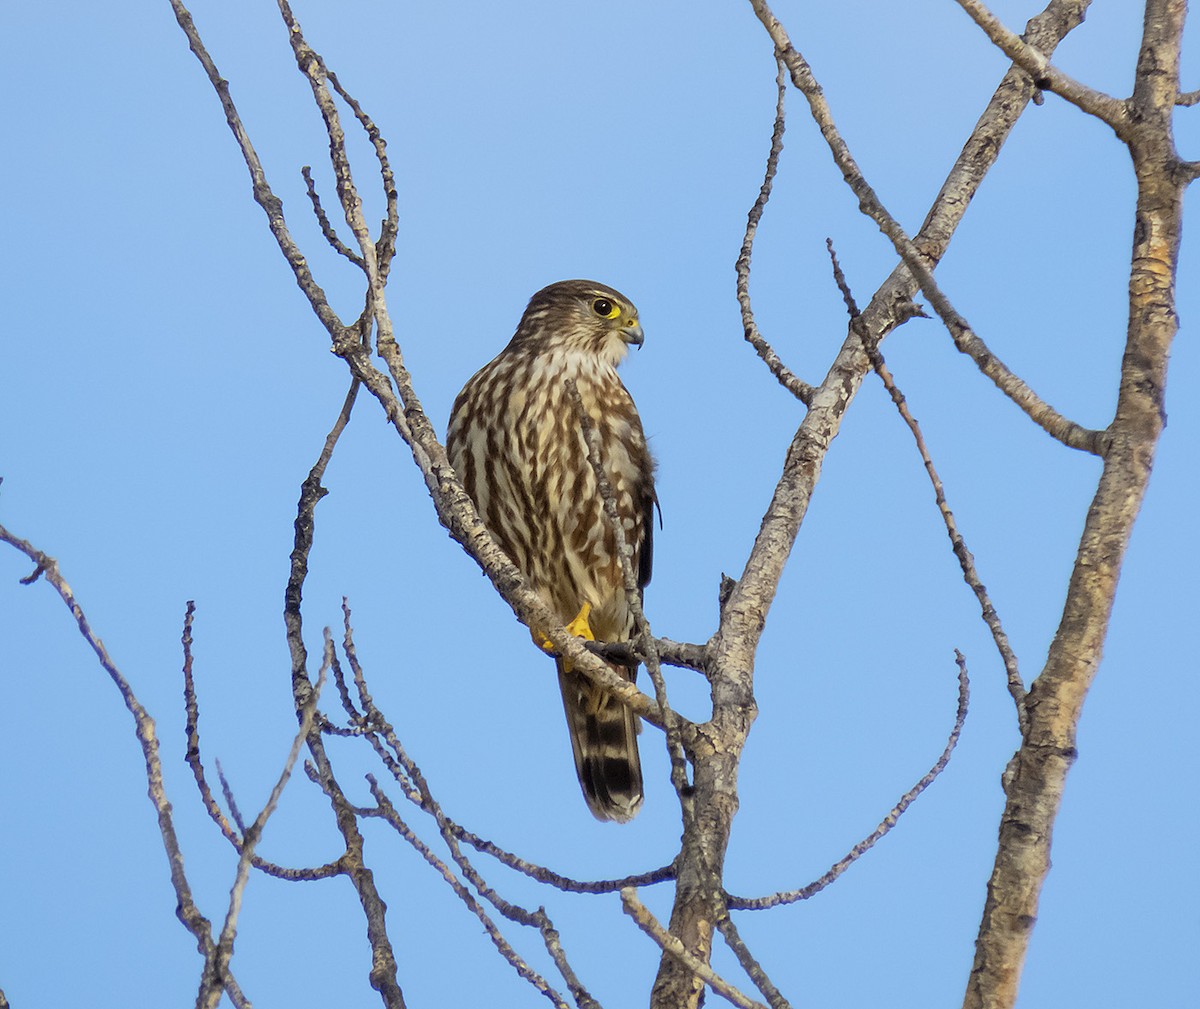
column 672, row 947
column 731, row 652
column 192, row 731
column 754, row 970
column 411, row 779
column 186, row 910
column 388, row 812
column 965, row 339
column 405, row 412
column 1016, row 686
column 216, row 967
column 1035, row 780
column 1046, row 76
column 263, row 194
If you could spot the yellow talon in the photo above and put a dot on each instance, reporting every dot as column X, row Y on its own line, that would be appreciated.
column 579, row 626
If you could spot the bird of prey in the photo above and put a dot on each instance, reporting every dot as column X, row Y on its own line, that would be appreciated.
column 516, row 442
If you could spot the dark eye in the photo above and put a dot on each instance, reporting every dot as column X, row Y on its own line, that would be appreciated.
column 605, row 308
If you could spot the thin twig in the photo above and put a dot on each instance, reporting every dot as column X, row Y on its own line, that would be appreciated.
column 216, row 968
column 796, row 386
column 195, row 762
column 753, row 969
column 331, row 236
column 385, row 247
column 1016, row 686
column 412, row 774
column 681, row 654
column 186, row 911
column 263, row 194
column 1188, row 98
column 670, row 945
column 388, row 812
column 888, row 822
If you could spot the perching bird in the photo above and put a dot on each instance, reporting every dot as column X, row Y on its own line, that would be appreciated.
column 516, row 442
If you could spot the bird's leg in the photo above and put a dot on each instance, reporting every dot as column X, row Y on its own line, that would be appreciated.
column 578, row 626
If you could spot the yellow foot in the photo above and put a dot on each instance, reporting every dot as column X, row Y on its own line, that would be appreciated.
column 579, row 626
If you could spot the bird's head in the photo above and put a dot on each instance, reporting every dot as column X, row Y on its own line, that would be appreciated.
column 579, row 316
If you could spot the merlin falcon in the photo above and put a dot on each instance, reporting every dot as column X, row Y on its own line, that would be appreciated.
column 516, row 442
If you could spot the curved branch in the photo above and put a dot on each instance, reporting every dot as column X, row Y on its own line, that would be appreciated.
column 796, row 386
column 192, row 756
column 885, row 825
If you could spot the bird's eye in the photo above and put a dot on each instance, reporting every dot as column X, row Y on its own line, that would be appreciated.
column 605, row 308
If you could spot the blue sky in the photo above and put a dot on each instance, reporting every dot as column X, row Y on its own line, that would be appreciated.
column 164, row 390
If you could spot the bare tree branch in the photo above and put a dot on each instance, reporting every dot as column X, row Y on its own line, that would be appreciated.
column 382, row 736
column 672, row 947
column 754, row 970
column 412, row 779
column 1036, row 777
column 1016, row 686
column 323, row 220
column 263, row 195
column 965, row 339
column 216, row 967
column 798, row 388
column 1188, row 98
column 1045, row 76
column 192, row 731
column 539, row 983
column 731, row 652
column 147, row 733
column 888, row 822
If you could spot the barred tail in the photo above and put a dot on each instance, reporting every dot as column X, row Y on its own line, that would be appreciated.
column 604, row 740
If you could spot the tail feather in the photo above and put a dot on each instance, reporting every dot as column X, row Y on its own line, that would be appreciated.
column 604, row 741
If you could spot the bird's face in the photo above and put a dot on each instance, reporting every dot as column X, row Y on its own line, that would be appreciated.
column 580, row 317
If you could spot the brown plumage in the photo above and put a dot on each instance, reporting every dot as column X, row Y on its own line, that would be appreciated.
column 516, row 444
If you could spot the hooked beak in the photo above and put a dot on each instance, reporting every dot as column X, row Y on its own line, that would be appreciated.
column 633, row 334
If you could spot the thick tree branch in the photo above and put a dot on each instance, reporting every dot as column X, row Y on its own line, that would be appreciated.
column 732, row 650
column 1036, row 776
